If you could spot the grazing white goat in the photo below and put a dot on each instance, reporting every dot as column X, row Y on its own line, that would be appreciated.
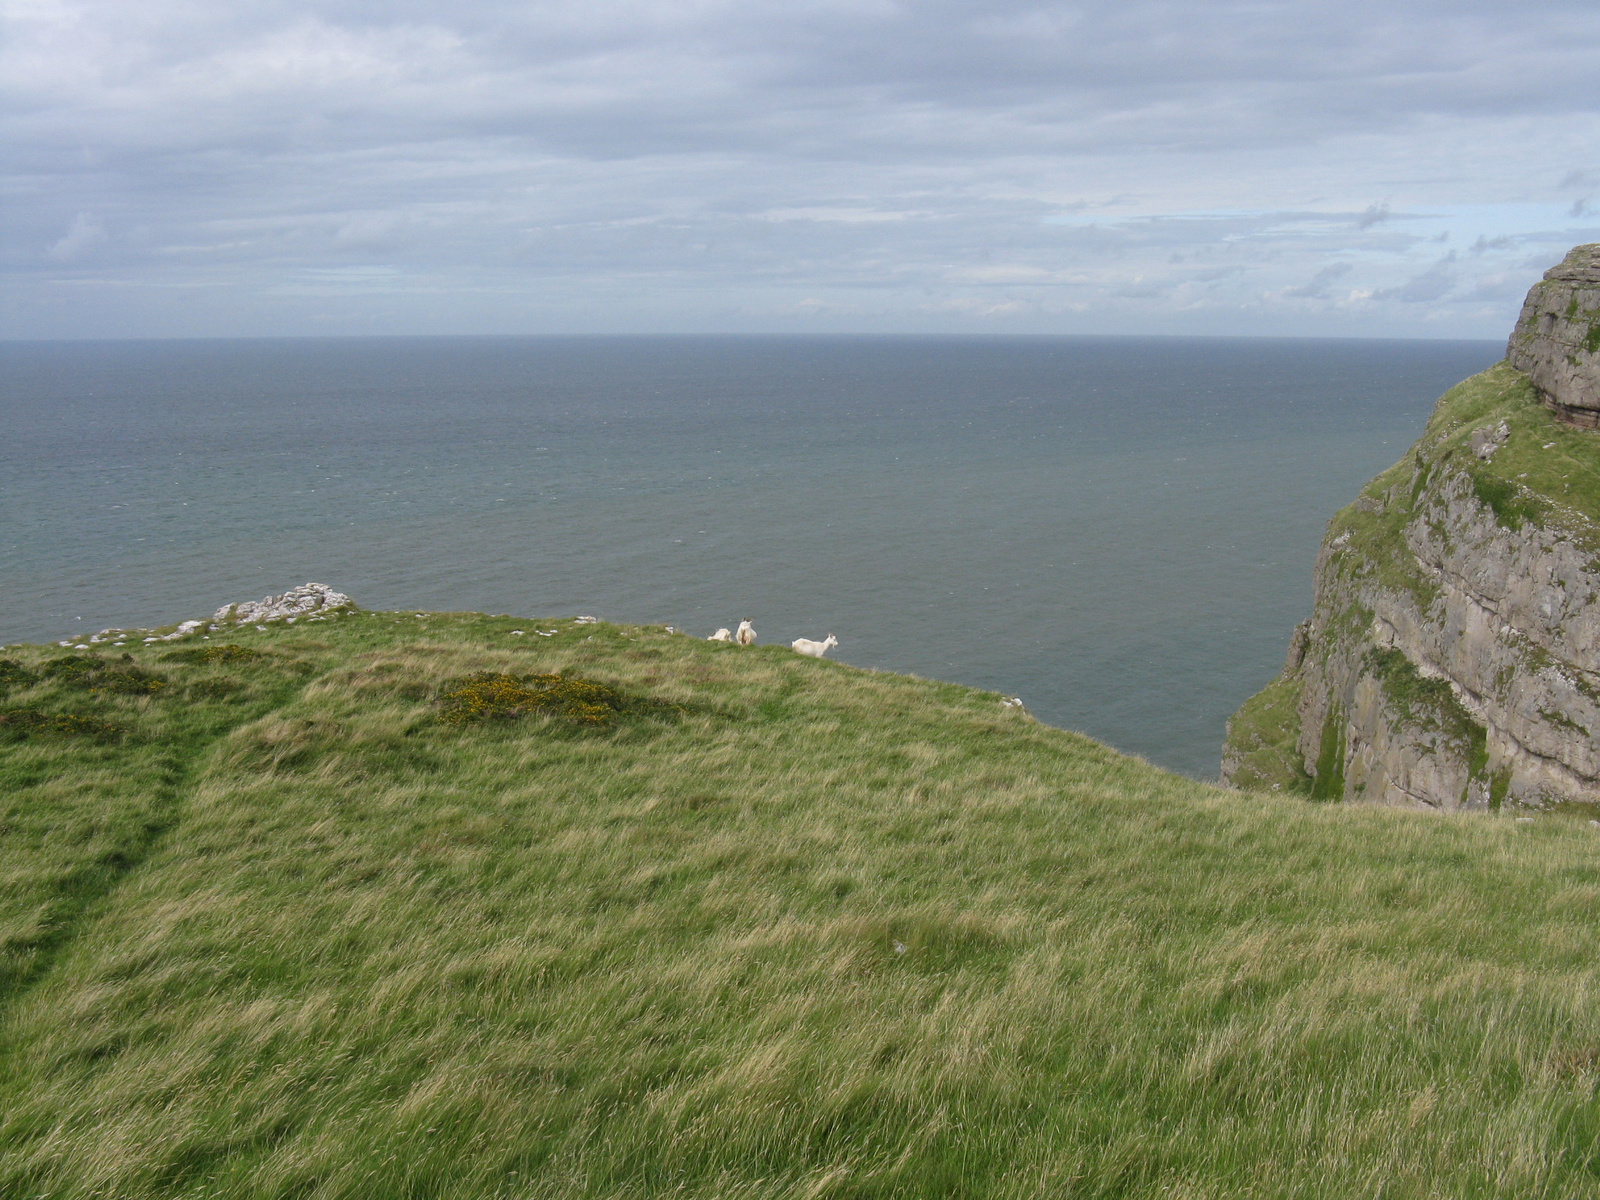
column 722, row 635
column 814, row 649
column 747, row 633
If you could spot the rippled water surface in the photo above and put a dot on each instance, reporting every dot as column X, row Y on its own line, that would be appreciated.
column 1120, row 531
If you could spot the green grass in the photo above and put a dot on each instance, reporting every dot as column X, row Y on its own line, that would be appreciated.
column 1547, row 470
column 1264, row 735
column 778, row 927
column 1327, row 783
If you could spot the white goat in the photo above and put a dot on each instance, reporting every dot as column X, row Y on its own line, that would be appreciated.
column 747, row 633
column 722, row 635
column 814, row 649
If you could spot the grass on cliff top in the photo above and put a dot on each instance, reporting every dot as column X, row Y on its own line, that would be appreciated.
column 1545, row 466
column 1545, row 472
column 777, row 928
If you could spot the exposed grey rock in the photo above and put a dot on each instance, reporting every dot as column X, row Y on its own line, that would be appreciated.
column 1486, row 441
column 1298, row 641
column 1557, row 338
column 1511, row 629
column 307, row 599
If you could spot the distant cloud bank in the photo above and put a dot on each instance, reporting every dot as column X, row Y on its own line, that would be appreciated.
column 1190, row 166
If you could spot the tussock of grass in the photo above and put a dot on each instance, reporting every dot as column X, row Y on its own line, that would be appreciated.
column 826, row 933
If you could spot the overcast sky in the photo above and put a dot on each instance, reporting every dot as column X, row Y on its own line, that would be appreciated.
column 1347, row 168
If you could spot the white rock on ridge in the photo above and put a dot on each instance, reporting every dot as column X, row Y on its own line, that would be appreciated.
column 296, row 602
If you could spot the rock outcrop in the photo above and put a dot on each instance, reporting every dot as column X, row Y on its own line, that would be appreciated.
column 1453, row 655
column 307, row 600
column 1557, row 339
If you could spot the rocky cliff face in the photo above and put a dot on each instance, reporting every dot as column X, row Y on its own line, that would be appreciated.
column 1557, row 339
column 1453, row 655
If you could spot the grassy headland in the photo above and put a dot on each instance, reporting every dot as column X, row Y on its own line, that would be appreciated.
column 385, row 911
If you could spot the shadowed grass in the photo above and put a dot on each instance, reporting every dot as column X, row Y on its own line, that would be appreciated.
column 826, row 932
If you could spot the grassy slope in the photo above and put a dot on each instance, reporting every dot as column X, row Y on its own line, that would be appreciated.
column 826, row 933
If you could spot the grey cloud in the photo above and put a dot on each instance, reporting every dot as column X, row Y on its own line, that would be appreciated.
column 1321, row 283
column 1430, row 285
column 717, row 156
column 1505, row 288
column 85, row 234
column 636, row 78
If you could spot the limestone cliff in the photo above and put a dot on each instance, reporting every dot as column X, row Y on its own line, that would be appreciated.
column 1557, row 339
column 1452, row 658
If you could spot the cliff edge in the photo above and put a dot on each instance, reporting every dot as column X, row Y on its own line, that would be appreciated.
column 1452, row 658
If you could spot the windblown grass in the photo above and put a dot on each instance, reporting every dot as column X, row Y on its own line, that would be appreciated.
column 823, row 933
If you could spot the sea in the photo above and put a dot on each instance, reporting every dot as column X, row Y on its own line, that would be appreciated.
column 1119, row 531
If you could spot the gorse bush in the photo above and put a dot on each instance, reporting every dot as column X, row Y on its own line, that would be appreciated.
column 86, row 673
column 488, row 696
column 20, row 722
column 214, row 689
column 227, row 653
column 13, row 675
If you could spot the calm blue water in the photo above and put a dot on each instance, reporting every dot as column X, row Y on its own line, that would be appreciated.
column 1121, row 531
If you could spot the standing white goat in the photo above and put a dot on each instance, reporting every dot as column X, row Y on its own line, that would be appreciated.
column 747, row 633
column 814, row 649
column 721, row 635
